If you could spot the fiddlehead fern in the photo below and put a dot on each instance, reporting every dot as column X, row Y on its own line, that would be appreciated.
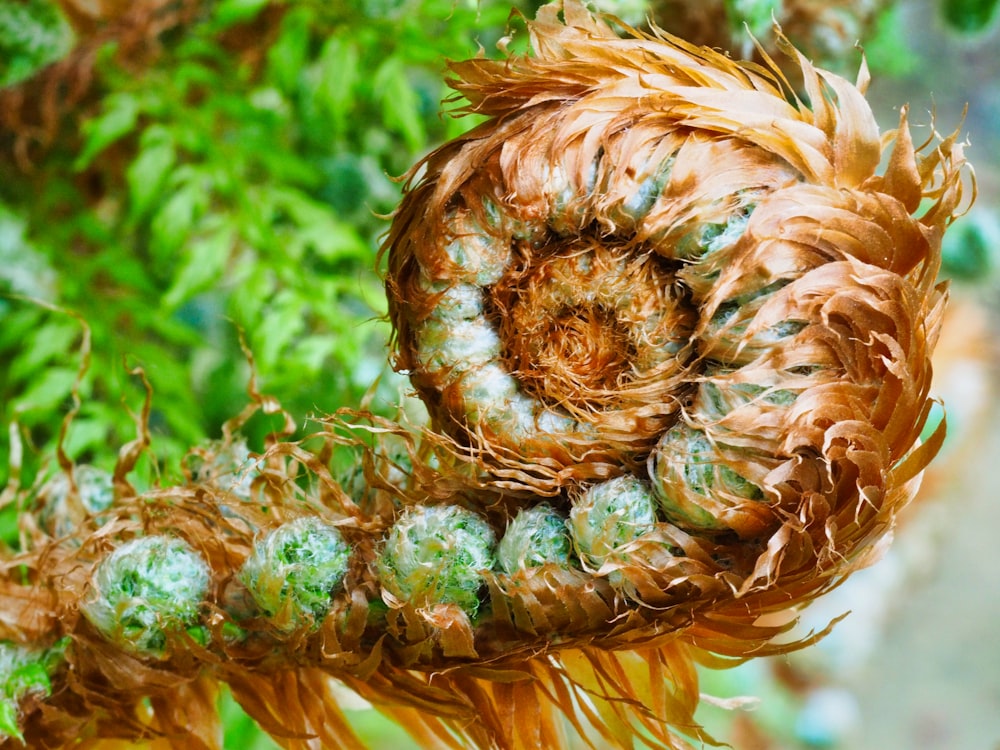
column 673, row 330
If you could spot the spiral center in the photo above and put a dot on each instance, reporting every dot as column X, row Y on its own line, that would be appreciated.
column 586, row 323
column 582, row 349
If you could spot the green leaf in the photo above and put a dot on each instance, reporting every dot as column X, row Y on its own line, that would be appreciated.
column 204, row 261
column 32, row 35
column 286, row 59
column 318, row 229
column 53, row 339
column 283, row 323
column 230, row 12
column 173, row 222
column 130, row 272
column 969, row 16
column 283, row 165
column 338, row 76
column 889, row 52
column 9, row 533
column 28, row 678
column 254, row 285
column 51, row 388
column 332, row 240
column 240, row 730
column 758, row 15
column 88, row 434
column 147, row 174
column 313, row 352
column 119, row 118
column 192, row 74
column 400, row 103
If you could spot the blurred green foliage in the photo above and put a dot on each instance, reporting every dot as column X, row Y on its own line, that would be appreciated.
column 236, row 185
column 969, row 16
column 970, row 252
column 32, row 34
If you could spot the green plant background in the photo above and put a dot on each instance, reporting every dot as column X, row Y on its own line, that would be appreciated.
column 237, row 186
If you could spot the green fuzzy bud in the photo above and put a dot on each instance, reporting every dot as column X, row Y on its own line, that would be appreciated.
column 457, row 344
column 437, row 554
column 228, row 466
column 610, row 515
column 717, row 399
column 649, row 185
column 295, row 569
column 730, row 337
column 478, row 258
column 456, row 301
column 706, row 238
column 94, row 489
column 145, row 589
column 538, row 535
column 694, row 482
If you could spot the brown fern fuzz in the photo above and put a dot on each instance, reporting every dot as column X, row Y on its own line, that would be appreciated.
column 648, row 239
column 671, row 295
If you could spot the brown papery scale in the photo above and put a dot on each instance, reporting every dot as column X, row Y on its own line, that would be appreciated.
column 659, row 298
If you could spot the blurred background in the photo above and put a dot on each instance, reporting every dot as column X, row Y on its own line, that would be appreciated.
column 181, row 180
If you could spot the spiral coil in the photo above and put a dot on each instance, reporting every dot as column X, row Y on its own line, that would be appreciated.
column 653, row 255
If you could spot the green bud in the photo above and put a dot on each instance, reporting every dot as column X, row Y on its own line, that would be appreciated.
column 706, row 238
column 457, row 301
column 610, row 515
column 478, row 257
column 96, row 493
column 227, row 466
column 457, row 344
column 693, row 481
column 144, row 590
column 538, row 535
column 437, row 555
column 716, row 399
column 295, row 569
